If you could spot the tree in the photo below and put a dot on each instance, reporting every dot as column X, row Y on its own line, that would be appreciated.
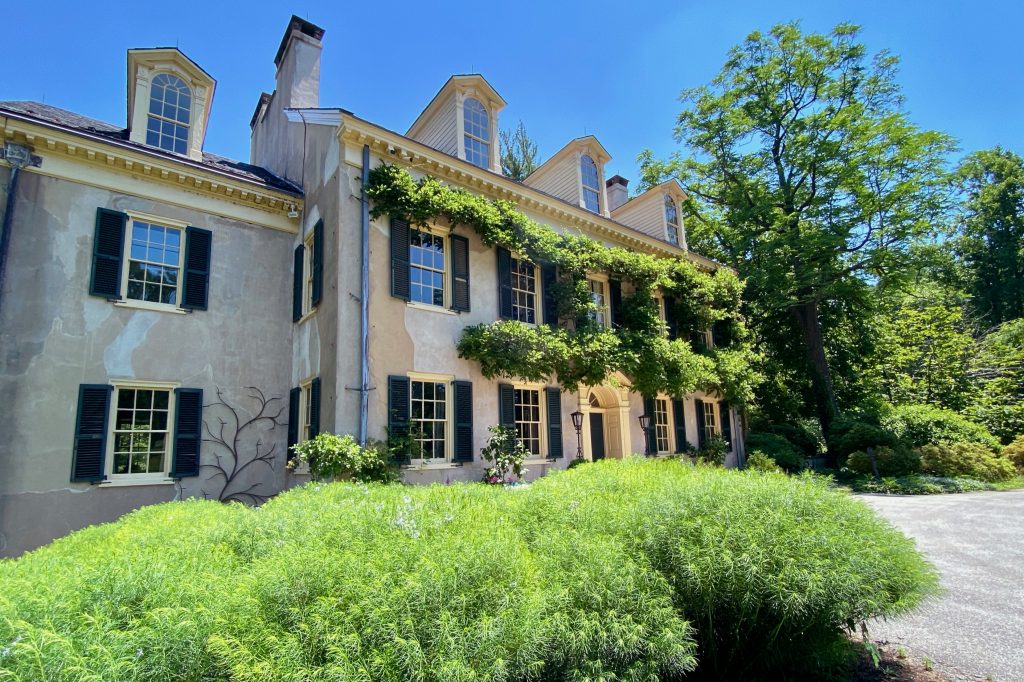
column 998, row 375
column 806, row 176
column 990, row 242
column 518, row 153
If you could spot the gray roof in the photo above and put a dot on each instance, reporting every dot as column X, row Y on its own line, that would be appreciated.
column 46, row 114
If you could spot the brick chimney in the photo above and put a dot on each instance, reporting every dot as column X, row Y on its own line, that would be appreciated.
column 617, row 192
column 298, row 65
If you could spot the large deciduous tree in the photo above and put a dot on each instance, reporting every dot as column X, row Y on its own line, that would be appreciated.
column 806, row 175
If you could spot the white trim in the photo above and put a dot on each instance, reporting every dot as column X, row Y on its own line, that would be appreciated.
column 126, row 483
column 149, row 305
column 113, row 479
column 449, row 422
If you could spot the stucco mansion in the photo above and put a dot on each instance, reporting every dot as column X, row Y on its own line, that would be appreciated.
column 171, row 321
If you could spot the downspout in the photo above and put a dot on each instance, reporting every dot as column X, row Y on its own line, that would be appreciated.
column 364, row 301
column 18, row 157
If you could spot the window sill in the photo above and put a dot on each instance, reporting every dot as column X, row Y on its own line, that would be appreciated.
column 127, row 482
column 146, row 305
column 433, row 308
column 308, row 316
column 432, row 466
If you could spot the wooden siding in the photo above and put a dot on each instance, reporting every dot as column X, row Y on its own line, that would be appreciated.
column 562, row 180
column 644, row 213
column 441, row 132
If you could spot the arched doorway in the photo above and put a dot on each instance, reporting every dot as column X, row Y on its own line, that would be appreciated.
column 604, row 409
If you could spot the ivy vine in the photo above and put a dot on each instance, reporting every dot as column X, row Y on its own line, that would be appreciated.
column 577, row 350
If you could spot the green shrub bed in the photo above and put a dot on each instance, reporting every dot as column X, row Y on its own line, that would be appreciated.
column 634, row 570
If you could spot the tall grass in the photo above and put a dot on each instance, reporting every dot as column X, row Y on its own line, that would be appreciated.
column 619, row 571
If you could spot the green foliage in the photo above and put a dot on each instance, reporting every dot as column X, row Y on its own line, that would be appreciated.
column 713, row 452
column 507, row 452
column 919, row 425
column 917, row 484
column 518, row 153
column 331, row 456
column 998, row 372
column 849, row 436
column 972, row 460
column 757, row 460
column 780, row 450
column 601, row 572
column 1015, row 452
column 892, row 461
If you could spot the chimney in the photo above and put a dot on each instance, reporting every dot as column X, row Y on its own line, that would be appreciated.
column 298, row 65
column 617, row 192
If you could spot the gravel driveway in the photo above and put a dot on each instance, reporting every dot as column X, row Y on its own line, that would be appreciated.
column 975, row 631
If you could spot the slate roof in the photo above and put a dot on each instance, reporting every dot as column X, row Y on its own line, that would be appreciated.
column 46, row 114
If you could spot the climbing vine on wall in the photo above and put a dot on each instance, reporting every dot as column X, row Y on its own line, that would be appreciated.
column 577, row 349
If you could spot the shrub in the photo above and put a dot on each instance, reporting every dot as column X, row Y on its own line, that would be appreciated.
column 331, row 456
column 894, row 461
column 713, row 451
column 508, row 454
column 800, row 436
column 592, row 574
column 778, row 449
column 965, row 459
column 849, row 436
column 1015, row 452
column 759, row 461
column 917, row 484
column 919, row 425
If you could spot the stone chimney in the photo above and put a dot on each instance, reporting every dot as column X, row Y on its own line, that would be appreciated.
column 617, row 192
column 298, row 65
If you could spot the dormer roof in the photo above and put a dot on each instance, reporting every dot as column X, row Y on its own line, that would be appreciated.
column 588, row 144
column 459, row 82
column 646, row 211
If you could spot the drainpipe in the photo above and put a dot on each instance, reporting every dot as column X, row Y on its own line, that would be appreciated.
column 364, row 301
column 18, row 156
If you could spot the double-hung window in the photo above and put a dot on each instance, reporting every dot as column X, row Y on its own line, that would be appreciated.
column 590, row 184
column 710, row 419
column 477, row 133
column 141, row 431
column 661, row 425
column 426, row 267
column 671, row 221
column 528, row 416
column 599, row 298
column 153, row 266
column 170, row 112
column 524, row 291
column 428, row 413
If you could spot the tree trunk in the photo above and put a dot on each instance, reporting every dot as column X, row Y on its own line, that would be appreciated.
column 814, row 345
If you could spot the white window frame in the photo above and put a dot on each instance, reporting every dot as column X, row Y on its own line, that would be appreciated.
column 160, row 118
column 449, row 428
column 305, row 410
column 542, row 424
column 471, row 136
column 603, row 315
column 126, row 253
column 714, row 429
column 668, row 425
column 669, row 225
column 307, row 276
column 443, row 234
column 584, row 186
column 513, row 259
column 162, row 477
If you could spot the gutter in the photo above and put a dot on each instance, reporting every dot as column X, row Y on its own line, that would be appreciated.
column 18, row 156
column 364, row 300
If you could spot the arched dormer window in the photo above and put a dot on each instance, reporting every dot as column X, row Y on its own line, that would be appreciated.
column 591, row 192
column 672, row 220
column 170, row 114
column 477, row 128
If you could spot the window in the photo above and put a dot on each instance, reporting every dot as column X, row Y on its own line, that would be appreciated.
column 591, row 191
column 426, row 268
column 672, row 220
column 710, row 420
column 528, row 419
column 429, row 420
column 600, row 300
column 305, row 410
column 307, row 270
column 153, row 264
column 141, row 432
column 661, row 425
column 524, row 291
column 170, row 107
column 709, row 338
column 477, row 127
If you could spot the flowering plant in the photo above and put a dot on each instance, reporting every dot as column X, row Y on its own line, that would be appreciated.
column 507, row 453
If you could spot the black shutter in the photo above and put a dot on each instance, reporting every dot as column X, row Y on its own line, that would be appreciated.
column 554, row 399
column 504, row 284
column 671, row 321
column 506, row 406
column 723, row 416
column 720, row 333
column 318, row 263
column 91, row 433
column 702, row 439
column 198, row 247
column 398, row 414
column 294, row 397
column 400, row 259
column 107, row 250
column 679, row 422
column 463, row 451
column 649, row 437
column 615, row 301
column 300, row 251
column 188, row 431
column 548, row 280
column 460, row 273
column 314, row 408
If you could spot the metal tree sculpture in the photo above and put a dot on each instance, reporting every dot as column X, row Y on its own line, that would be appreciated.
column 229, row 436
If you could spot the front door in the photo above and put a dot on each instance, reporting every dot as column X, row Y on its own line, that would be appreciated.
column 596, row 436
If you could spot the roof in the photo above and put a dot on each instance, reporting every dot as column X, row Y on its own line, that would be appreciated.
column 76, row 123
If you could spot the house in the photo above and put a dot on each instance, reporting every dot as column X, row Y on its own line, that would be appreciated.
column 172, row 321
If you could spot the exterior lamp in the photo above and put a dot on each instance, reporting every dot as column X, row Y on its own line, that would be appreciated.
column 577, row 422
column 645, row 422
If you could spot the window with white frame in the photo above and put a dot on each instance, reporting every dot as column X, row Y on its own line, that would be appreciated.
column 661, row 425
column 141, row 432
column 599, row 298
column 170, row 112
column 591, row 189
column 428, row 410
column 426, row 267
column 477, row 129
column 305, row 410
column 307, row 273
column 710, row 419
column 529, row 425
column 524, row 291
column 153, row 264
column 671, row 220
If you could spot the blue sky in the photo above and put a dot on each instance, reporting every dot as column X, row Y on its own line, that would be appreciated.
column 612, row 69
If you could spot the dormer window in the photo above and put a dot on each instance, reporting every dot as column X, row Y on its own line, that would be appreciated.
column 170, row 112
column 591, row 191
column 477, row 126
column 671, row 221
